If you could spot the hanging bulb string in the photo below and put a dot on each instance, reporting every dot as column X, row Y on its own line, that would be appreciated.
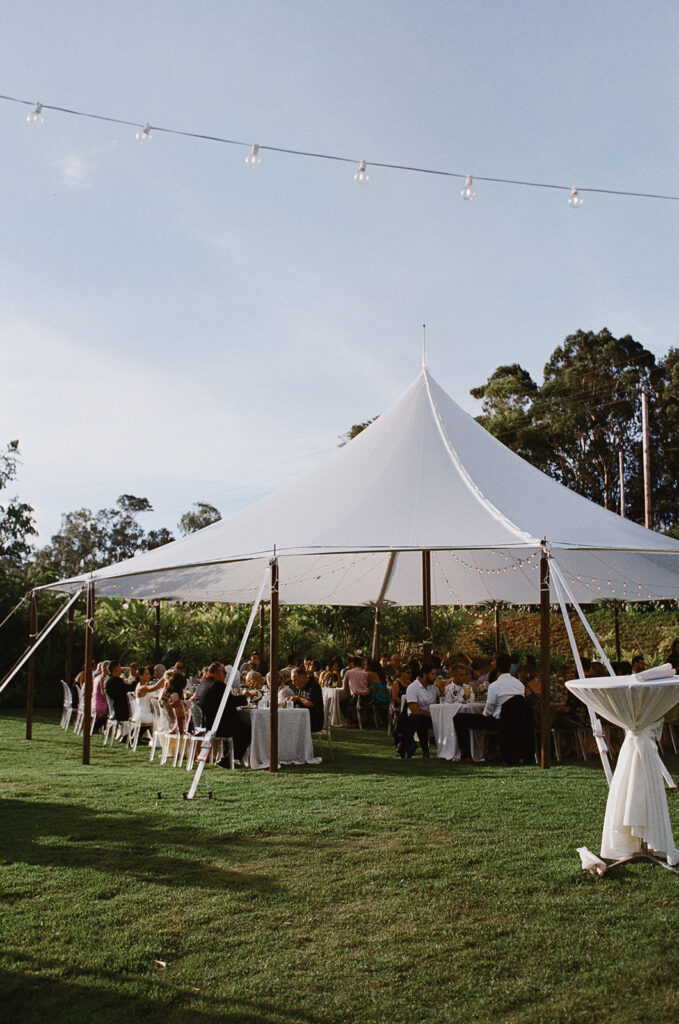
column 342, row 159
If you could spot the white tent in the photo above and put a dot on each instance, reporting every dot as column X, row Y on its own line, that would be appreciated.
column 423, row 476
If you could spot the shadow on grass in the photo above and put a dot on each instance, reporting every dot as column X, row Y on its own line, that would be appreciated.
column 32, row 999
column 65, row 835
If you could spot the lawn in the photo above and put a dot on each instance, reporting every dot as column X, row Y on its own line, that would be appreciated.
column 366, row 889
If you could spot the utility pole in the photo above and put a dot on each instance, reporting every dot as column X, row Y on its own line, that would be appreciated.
column 621, row 471
column 646, row 460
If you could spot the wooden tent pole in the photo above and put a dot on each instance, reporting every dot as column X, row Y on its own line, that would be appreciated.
column 89, row 653
column 545, row 703
column 376, row 635
column 273, row 669
column 497, row 630
column 426, row 608
column 30, row 686
column 68, row 669
column 156, row 655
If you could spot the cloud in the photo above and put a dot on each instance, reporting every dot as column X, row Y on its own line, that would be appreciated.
column 75, row 171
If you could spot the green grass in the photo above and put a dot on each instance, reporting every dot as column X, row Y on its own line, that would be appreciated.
column 368, row 890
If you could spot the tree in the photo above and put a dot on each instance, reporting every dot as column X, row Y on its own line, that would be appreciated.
column 585, row 412
column 88, row 541
column 16, row 518
column 354, row 431
column 200, row 515
column 156, row 539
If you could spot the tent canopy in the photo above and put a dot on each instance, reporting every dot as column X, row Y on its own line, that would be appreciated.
column 423, row 476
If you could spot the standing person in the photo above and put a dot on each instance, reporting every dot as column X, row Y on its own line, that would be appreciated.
column 420, row 695
column 172, row 695
column 99, row 702
column 208, row 697
column 142, row 692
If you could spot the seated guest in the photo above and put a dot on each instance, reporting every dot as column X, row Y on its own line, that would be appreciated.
column 172, row 696
column 331, row 675
column 420, row 695
column 143, row 690
column 308, row 694
column 133, row 673
column 250, row 666
column 638, row 664
column 255, row 683
column 458, row 689
column 208, row 697
column 310, row 668
column 673, row 656
column 158, row 671
column 380, row 690
column 399, row 687
column 117, row 689
column 394, row 666
column 499, row 691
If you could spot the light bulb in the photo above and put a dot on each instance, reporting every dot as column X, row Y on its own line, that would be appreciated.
column 35, row 116
column 252, row 159
column 361, row 176
column 125, row 606
column 468, row 192
column 574, row 199
column 144, row 134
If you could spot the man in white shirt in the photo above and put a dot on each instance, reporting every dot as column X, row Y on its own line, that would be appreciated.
column 499, row 691
column 420, row 695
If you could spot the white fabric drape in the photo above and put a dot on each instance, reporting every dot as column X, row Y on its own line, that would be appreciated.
column 636, row 809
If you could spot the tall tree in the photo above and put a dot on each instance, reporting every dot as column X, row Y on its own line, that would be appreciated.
column 584, row 413
column 354, row 431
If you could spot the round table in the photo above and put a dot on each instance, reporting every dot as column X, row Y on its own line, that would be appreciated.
column 636, row 810
column 294, row 737
column 447, row 744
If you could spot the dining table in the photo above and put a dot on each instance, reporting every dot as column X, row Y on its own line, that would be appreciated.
column 331, row 705
column 636, row 821
column 294, row 737
column 445, row 735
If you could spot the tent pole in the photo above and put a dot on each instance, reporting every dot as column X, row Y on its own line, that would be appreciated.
column 376, row 635
column 273, row 669
column 426, row 608
column 89, row 653
column 30, row 687
column 616, row 619
column 497, row 630
column 262, row 626
column 545, row 705
column 156, row 655
column 68, row 669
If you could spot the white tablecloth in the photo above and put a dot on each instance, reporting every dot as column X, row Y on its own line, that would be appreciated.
column 447, row 745
column 331, row 704
column 294, row 737
column 636, row 809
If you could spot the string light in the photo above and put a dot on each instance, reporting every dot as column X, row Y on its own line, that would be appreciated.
column 252, row 159
column 144, row 134
column 361, row 176
column 575, row 199
column 468, row 192
column 35, row 117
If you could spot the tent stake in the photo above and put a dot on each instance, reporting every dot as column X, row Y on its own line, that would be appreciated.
column 545, row 705
column 30, row 686
column 426, row 608
column 273, row 668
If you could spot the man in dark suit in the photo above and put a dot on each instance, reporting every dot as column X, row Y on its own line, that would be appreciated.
column 117, row 689
column 208, row 697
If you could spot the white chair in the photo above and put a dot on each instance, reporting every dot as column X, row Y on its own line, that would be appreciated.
column 194, row 740
column 163, row 720
column 80, row 713
column 325, row 731
column 135, row 723
column 67, row 709
column 113, row 723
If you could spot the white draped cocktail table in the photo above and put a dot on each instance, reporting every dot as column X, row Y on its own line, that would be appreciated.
column 294, row 737
column 636, row 817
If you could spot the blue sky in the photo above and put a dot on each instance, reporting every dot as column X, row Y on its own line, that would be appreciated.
column 177, row 325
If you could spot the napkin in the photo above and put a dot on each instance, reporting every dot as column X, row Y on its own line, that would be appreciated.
column 590, row 862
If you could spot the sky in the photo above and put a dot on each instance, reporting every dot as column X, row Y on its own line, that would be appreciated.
column 177, row 325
